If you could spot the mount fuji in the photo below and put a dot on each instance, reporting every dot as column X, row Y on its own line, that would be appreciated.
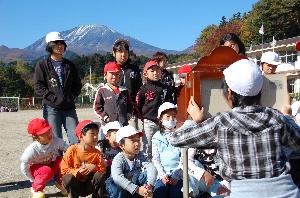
column 89, row 39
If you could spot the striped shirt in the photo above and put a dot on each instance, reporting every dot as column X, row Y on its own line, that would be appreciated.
column 249, row 141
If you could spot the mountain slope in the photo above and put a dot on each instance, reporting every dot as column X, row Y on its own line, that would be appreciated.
column 88, row 39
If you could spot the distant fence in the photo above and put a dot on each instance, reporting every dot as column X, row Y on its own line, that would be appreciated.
column 17, row 103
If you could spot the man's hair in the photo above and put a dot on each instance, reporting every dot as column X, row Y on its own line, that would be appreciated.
column 120, row 46
column 89, row 127
column 239, row 100
column 233, row 37
column 50, row 46
column 159, row 56
column 122, row 141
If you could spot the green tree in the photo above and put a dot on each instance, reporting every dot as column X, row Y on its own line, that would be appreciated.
column 281, row 19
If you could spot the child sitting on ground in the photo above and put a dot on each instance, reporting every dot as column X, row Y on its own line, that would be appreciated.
column 166, row 157
column 132, row 174
column 82, row 166
column 108, row 146
column 203, row 176
column 41, row 159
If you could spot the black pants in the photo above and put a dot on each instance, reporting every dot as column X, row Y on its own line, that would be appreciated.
column 94, row 185
column 295, row 171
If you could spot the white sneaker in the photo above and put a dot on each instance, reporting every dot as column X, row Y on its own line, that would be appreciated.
column 38, row 194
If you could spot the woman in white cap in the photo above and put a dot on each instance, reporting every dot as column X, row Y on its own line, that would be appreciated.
column 269, row 62
column 249, row 138
column 57, row 81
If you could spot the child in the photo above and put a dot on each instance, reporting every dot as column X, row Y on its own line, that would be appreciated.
column 132, row 174
column 82, row 166
column 202, row 176
column 182, row 73
column 151, row 95
column 113, row 103
column 166, row 76
column 130, row 76
column 108, row 146
column 41, row 159
column 166, row 157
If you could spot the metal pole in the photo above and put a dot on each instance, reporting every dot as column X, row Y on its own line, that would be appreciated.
column 90, row 74
column 184, row 152
column 262, row 44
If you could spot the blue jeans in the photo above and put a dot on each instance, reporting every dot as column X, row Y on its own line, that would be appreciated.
column 115, row 191
column 57, row 118
column 168, row 191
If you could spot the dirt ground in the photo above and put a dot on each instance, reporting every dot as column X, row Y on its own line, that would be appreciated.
column 13, row 140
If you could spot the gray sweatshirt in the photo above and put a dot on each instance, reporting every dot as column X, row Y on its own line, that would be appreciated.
column 37, row 153
column 122, row 169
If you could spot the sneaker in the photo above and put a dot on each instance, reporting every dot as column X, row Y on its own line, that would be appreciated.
column 38, row 194
column 62, row 189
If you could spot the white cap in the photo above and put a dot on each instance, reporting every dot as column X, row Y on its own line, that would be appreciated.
column 110, row 126
column 165, row 106
column 53, row 36
column 270, row 58
column 296, row 108
column 244, row 77
column 126, row 131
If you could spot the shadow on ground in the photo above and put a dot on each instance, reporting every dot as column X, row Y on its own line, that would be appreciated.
column 10, row 186
column 19, row 185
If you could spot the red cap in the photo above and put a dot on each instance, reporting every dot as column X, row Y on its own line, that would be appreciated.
column 81, row 125
column 185, row 69
column 150, row 64
column 112, row 67
column 38, row 126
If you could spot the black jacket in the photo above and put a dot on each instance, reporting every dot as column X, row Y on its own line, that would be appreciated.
column 47, row 84
column 116, row 107
column 131, row 79
column 151, row 95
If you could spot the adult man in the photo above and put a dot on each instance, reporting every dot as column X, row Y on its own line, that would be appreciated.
column 249, row 138
column 269, row 62
column 57, row 81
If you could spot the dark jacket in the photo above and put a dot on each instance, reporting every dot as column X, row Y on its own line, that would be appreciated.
column 131, row 79
column 116, row 107
column 167, row 78
column 47, row 84
column 151, row 95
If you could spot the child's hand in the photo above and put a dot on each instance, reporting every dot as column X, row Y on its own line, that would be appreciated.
column 222, row 190
column 165, row 180
column 83, row 170
column 173, row 181
column 208, row 178
column 90, row 167
column 143, row 191
column 150, row 190
column 195, row 112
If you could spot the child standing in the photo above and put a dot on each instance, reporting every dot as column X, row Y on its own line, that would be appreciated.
column 151, row 95
column 41, row 159
column 82, row 166
column 108, row 146
column 132, row 174
column 130, row 76
column 166, row 157
column 113, row 103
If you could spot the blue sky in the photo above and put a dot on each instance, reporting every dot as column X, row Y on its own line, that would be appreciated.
column 173, row 24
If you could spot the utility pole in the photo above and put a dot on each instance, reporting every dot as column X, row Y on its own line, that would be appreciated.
column 90, row 74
